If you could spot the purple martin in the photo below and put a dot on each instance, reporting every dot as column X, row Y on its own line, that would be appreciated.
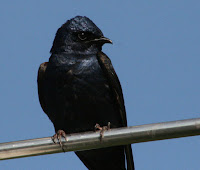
column 78, row 88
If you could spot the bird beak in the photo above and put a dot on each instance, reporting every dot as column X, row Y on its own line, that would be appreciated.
column 102, row 40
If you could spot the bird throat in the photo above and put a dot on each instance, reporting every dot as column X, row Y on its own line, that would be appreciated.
column 78, row 49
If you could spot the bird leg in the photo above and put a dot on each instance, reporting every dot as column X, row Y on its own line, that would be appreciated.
column 102, row 129
column 59, row 134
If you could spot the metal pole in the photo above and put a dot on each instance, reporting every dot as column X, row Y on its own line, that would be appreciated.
column 91, row 140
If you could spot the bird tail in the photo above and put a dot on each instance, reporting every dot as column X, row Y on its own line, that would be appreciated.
column 129, row 157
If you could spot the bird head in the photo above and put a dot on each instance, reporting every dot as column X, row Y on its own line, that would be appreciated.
column 79, row 35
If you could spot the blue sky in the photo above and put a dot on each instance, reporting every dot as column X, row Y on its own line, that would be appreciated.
column 155, row 53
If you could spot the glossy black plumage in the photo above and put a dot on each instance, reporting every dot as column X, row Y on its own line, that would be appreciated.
column 78, row 88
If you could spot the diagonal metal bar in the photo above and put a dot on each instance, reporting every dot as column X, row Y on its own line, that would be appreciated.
column 91, row 140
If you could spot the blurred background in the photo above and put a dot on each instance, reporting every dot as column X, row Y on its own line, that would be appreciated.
column 155, row 52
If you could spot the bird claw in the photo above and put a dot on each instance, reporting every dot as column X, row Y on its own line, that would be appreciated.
column 102, row 129
column 59, row 134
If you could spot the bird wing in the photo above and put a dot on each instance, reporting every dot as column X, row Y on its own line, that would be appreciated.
column 40, row 82
column 116, row 89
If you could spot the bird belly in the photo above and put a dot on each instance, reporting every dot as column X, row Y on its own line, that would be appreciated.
column 79, row 100
column 88, row 103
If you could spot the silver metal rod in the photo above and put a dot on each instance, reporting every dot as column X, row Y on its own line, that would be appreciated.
column 91, row 140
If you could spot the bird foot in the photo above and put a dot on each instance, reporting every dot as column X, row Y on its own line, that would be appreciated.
column 59, row 134
column 102, row 129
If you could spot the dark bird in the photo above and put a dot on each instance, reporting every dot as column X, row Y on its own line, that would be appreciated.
column 78, row 88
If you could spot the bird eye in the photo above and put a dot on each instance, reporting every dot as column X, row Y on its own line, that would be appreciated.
column 82, row 36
